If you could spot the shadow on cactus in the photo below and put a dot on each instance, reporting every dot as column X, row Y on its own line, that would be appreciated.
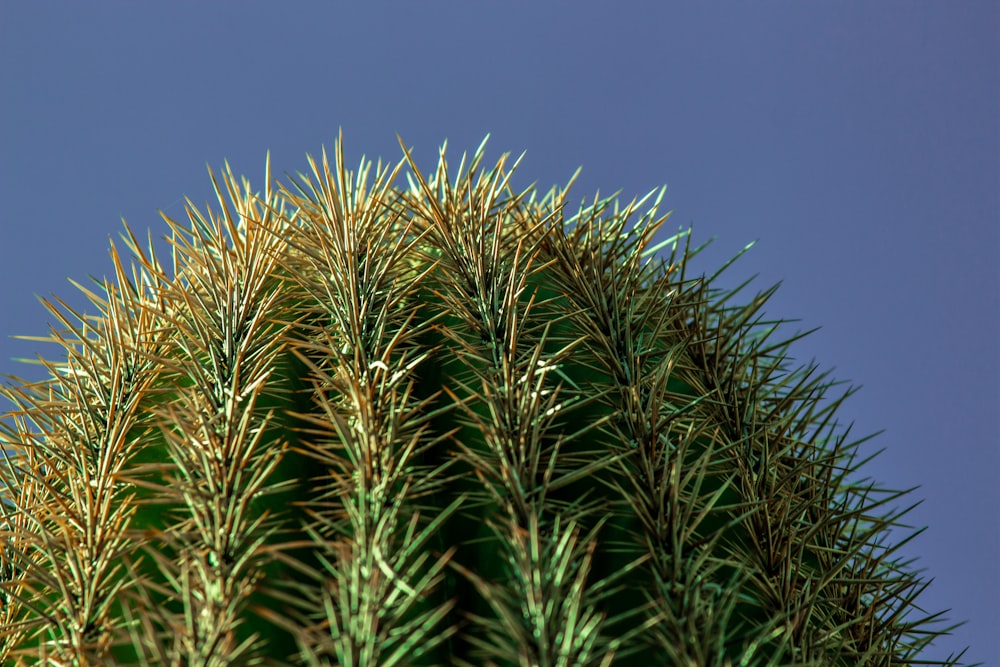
column 448, row 423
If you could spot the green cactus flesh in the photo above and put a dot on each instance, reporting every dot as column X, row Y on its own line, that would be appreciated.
column 446, row 423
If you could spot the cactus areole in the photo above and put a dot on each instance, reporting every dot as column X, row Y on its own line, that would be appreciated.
column 362, row 419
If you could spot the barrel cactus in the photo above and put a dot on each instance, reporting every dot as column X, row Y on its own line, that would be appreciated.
column 360, row 423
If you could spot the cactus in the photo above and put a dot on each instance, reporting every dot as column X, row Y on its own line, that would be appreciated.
column 446, row 423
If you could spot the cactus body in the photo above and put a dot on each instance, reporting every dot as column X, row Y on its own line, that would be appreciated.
column 445, row 424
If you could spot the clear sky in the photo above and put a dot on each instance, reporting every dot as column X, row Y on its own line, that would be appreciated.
column 857, row 142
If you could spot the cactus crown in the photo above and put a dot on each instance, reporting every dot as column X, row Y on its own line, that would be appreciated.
column 449, row 423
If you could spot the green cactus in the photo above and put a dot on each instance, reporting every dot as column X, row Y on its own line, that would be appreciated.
column 449, row 423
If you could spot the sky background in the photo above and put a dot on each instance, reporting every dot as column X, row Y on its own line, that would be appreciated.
column 857, row 142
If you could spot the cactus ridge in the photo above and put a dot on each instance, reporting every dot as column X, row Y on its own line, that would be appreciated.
column 446, row 423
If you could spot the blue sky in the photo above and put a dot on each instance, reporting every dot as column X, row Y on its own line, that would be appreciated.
column 857, row 142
